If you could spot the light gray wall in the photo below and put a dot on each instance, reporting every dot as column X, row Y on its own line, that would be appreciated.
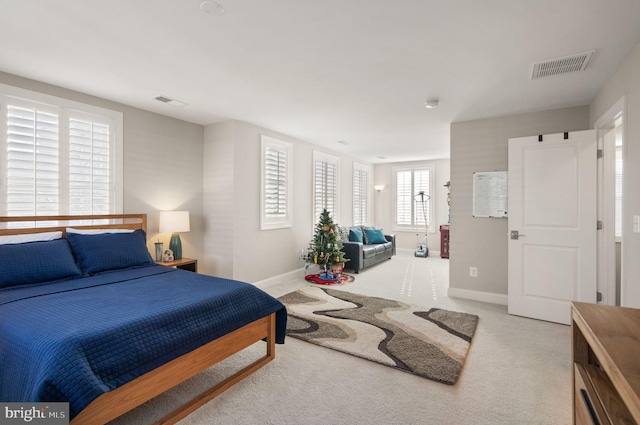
column 384, row 204
column 218, row 200
column 481, row 145
column 162, row 163
column 235, row 247
column 626, row 82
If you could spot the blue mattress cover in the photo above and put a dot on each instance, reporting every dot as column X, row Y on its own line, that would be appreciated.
column 76, row 339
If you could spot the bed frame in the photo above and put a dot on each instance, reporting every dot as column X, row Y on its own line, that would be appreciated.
column 115, row 403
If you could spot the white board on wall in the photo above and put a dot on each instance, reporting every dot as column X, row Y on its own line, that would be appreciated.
column 490, row 194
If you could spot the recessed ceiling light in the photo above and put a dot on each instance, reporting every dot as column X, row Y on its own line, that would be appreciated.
column 430, row 104
column 381, row 157
column 342, row 142
column 212, row 8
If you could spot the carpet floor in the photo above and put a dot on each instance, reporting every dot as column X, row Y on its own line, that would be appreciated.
column 431, row 343
column 517, row 371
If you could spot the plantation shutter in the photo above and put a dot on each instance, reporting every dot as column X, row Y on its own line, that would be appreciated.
column 58, row 157
column 412, row 185
column 32, row 161
column 421, row 184
column 325, row 185
column 404, row 198
column 275, row 183
column 89, row 167
column 360, row 196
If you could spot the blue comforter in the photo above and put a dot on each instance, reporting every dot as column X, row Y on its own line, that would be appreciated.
column 76, row 339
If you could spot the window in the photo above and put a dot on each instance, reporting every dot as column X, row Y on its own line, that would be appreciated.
column 276, row 184
column 414, row 205
column 361, row 208
column 325, row 185
column 58, row 156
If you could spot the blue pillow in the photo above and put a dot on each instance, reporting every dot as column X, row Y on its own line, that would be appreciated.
column 110, row 251
column 374, row 236
column 355, row 235
column 35, row 262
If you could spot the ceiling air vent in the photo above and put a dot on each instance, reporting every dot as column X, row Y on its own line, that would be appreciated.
column 169, row 101
column 563, row 65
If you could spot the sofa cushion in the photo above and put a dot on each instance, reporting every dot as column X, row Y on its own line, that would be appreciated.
column 355, row 235
column 379, row 249
column 368, row 251
column 374, row 236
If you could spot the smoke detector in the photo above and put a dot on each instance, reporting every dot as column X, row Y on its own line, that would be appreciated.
column 564, row 65
column 430, row 104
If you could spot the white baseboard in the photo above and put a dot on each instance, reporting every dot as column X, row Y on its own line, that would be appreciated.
column 486, row 297
column 294, row 274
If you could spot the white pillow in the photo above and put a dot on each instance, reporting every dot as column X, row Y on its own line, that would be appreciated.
column 30, row 237
column 97, row 231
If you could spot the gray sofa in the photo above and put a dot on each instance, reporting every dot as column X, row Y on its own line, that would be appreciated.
column 363, row 254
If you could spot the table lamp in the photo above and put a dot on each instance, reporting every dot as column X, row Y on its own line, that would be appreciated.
column 174, row 222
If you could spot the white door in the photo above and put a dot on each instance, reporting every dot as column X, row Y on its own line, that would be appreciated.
column 552, row 224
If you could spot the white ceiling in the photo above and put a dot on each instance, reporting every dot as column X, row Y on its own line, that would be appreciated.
column 357, row 71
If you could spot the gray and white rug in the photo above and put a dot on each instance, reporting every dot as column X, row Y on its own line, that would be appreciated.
column 432, row 343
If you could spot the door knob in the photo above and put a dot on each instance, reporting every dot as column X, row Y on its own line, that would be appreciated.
column 515, row 234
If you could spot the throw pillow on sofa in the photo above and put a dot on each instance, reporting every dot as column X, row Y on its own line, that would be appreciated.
column 355, row 235
column 374, row 236
column 364, row 234
column 343, row 232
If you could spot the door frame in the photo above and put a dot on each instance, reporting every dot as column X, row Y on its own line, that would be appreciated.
column 606, row 285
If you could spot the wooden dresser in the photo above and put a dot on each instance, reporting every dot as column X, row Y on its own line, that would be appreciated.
column 606, row 364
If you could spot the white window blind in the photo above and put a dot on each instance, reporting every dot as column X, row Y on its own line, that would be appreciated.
column 58, row 156
column 404, row 198
column 325, row 185
column 276, row 184
column 412, row 185
column 421, row 185
column 89, row 167
column 32, row 164
column 360, row 194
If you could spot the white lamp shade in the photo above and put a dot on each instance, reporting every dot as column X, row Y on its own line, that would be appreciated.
column 174, row 221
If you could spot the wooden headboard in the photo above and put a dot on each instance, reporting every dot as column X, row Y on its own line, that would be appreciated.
column 36, row 224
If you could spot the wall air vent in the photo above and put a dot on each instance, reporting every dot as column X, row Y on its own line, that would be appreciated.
column 563, row 65
column 165, row 99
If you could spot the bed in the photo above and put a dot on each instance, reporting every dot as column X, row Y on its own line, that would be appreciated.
column 87, row 317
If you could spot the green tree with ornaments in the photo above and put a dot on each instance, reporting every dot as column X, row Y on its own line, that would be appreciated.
column 325, row 249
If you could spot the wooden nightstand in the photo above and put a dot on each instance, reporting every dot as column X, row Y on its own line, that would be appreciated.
column 184, row 263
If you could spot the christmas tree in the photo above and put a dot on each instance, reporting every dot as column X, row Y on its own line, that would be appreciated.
column 325, row 249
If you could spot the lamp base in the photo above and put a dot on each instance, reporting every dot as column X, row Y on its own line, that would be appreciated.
column 175, row 245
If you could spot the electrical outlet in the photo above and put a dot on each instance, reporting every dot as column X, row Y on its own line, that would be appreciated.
column 473, row 271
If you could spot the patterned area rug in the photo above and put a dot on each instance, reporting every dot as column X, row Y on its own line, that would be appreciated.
column 432, row 344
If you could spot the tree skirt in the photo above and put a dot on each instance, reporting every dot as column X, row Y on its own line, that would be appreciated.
column 319, row 280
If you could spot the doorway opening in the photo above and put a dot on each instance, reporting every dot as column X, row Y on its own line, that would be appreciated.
column 611, row 205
